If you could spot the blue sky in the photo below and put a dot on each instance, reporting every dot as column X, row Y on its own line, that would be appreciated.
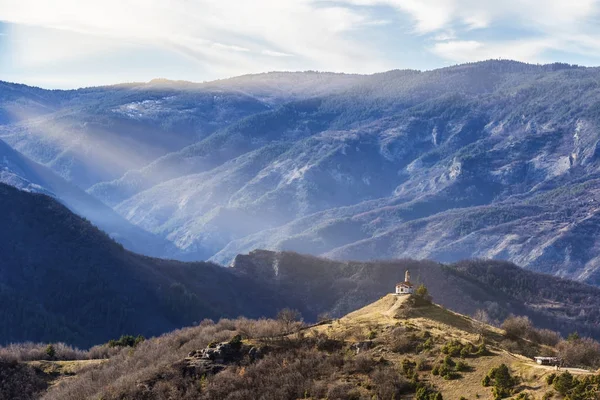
column 74, row 43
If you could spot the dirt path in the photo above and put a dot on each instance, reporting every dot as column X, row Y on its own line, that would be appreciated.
column 385, row 307
column 574, row 371
column 400, row 299
column 529, row 363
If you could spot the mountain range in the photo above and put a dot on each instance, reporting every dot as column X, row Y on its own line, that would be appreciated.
column 66, row 280
column 495, row 159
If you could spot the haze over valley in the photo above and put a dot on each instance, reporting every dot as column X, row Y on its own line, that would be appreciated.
column 494, row 160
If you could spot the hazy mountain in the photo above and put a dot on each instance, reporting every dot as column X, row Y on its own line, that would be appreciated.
column 98, row 134
column 368, row 172
column 19, row 171
column 16, row 99
column 65, row 280
column 62, row 279
column 494, row 159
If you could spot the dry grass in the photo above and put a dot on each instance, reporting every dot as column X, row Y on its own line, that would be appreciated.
column 357, row 325
column 391, row 311
column 403, row 332
column 58, row 371
column 469, row 385
column 387, row 312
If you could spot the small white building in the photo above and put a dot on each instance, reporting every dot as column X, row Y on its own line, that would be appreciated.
column 405, row 287
column 547, row 360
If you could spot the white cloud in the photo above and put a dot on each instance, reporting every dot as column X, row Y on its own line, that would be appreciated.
column 214, row 32
column 275, row 53
column 549, row 20
column 470, row 50
column 435, row 15
column 447, row 35
column 230, row 47
column 231, row 37
column 35, row 47
column 539, row 26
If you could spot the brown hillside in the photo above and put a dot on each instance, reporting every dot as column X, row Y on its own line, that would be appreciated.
column 397, row 347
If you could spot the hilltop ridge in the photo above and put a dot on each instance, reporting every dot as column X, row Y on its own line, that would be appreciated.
column 494, row 287
column 398, row 346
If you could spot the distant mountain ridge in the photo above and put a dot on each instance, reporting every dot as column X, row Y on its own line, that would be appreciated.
column 497, row 159
column 62, row 279
column 19, row 171
column 498, row 288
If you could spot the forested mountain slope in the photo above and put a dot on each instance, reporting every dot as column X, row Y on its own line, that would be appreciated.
column 62, row 279
column 495, row 288
column 98, row 134
column 21, row 172
column 496, row 159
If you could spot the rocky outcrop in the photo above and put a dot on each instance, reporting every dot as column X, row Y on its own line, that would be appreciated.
column 216, row 356
column 362, row 346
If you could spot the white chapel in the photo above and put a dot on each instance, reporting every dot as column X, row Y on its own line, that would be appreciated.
column 405, row 287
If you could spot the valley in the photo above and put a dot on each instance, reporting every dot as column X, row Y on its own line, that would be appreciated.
column 311, row 193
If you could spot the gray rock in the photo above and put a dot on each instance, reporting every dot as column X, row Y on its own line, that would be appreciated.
column 362, row 346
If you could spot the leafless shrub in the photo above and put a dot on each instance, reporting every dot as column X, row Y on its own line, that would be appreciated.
column 521, row 327
column 128, row 367
column 19, row 381
column 277, row 376
column 362, row 363
column 29, row 351
column 482, row 316
column 401, row 344
column 422, row 364
column 104, row 351
column 511, row 346
column 289, row 318
column 323, row 317
column 580, row 352
column 343, row 391
column 401, row 341
column 548, row 337
column 388, row 383
column 124, row 374
column 517, row 327
column 261, row 328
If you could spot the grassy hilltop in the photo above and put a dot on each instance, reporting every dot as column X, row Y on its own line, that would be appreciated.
column 397, row 347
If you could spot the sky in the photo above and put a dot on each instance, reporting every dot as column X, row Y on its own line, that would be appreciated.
column 77, row 43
